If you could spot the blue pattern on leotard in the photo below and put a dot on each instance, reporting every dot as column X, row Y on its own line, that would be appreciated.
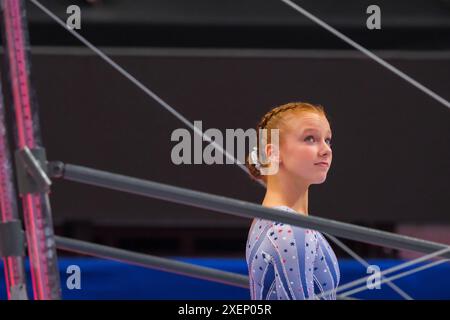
column 289, row 263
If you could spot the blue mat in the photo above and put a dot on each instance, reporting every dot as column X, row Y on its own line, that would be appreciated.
column 103, row 279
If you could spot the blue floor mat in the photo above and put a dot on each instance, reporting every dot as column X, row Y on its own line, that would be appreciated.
column 103, row 279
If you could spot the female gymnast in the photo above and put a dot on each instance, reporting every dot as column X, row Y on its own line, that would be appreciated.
column 287, row 262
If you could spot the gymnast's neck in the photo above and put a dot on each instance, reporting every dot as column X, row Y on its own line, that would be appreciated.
column 286, row 192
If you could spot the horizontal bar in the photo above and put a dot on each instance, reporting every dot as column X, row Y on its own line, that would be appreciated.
column 163, row 264
column 149, row 261
column 241, row 208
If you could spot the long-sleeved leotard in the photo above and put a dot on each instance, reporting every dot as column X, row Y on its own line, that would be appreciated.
column 289, row 263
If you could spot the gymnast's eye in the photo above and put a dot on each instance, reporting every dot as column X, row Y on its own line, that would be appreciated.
column 312, row 139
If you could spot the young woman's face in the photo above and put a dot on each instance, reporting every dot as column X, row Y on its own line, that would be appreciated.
column 305, row 151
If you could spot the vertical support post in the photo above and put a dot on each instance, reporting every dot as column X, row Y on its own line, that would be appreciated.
column 15, row 277
column 36, row 206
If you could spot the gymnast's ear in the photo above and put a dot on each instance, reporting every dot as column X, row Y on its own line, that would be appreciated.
column 272, row 152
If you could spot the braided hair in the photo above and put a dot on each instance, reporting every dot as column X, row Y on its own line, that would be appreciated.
column 274, row 120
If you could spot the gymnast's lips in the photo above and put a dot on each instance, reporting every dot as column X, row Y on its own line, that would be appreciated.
column 322, row 164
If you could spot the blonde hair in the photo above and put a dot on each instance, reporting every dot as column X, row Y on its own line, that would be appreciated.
column 276, row 119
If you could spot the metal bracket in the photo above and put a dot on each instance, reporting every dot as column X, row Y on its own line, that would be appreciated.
column 19, row 292
column 55, row 169
column 32, row 171
column 12, row 239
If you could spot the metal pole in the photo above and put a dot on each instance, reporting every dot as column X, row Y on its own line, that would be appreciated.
column 35, row 203
column 15, row 278
column 240, row 208
column 153, row 262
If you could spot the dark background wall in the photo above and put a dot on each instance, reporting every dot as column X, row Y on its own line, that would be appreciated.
column 390, row 140
column 226, row 64
column 406, row 24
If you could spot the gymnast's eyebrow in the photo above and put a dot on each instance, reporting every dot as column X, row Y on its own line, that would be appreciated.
column 314, row 129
